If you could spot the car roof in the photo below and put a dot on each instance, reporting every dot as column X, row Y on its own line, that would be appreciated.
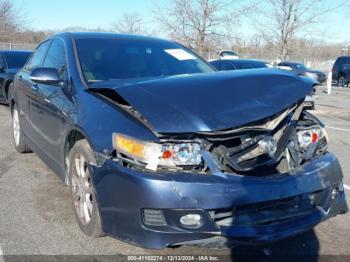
column 102, row 35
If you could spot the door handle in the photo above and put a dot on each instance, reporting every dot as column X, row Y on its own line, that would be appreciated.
column 35, row 87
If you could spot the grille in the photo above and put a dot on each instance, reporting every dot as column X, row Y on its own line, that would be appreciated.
column 270, row 212
column 256, row 146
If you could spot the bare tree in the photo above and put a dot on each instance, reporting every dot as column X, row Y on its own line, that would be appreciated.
column 11, row 19
column 199, row 23
column 281, row 22
column 129, row 23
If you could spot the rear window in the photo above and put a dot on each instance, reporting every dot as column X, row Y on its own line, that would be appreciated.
column 16, row 60
column 250, row 65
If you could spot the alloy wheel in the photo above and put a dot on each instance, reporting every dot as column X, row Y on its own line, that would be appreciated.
column 16, row 127
column 342, row 81
column 82, row 189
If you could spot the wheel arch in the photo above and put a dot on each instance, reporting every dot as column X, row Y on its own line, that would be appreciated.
column 7, row 86
column 74, row 135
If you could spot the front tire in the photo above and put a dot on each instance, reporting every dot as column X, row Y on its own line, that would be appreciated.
column 342, row 81
column 18, row 137
column 82, row 189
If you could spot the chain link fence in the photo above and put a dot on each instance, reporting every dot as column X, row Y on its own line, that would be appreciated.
column 12, row 46
column 324, row 65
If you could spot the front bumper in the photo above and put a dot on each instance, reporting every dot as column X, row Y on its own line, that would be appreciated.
column 122, row 195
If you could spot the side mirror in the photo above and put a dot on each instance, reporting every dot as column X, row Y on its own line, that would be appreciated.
column 45, row 75
column 2, row 68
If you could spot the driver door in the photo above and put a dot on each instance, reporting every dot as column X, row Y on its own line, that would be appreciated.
column 49, row 107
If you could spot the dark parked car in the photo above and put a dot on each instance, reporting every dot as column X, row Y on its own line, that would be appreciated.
column 228, row 54
column 341, row 71
column 10, row 62
column 237, row 64
column 241, row 64
column 161, row 150
column 301, row 69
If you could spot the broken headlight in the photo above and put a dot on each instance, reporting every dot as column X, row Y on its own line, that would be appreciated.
column 153, row 155
column 183, row 154
column 312, row 140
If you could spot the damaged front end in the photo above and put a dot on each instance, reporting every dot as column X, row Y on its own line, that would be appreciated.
column 276, row 145
column 264, row 181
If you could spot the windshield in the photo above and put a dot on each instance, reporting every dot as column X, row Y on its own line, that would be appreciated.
column 16, row 60
column 109, row 59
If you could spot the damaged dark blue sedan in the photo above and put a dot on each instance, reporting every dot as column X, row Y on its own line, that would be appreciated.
column 161, row 150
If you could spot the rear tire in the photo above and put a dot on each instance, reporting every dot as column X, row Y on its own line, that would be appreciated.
column 82, row 189
column 18, row 136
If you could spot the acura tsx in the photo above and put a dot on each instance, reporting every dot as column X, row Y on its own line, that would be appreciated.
column 161, row 150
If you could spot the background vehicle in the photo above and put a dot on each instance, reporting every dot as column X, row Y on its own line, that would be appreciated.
column 239, row 64
column 228, row 54
column 161, row 150
column 301, row 69
column 236, row 64
column 10, row 62
column 341, row 71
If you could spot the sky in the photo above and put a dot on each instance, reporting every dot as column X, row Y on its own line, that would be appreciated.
column 92, row 14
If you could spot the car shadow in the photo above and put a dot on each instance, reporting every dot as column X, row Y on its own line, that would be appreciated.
column 304, row 247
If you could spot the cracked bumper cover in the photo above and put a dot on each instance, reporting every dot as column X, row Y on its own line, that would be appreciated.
column 123, row 193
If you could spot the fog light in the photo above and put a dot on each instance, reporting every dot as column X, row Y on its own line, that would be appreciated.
column 191, row 220
column 335, row 192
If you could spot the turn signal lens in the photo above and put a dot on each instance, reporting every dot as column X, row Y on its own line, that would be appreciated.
column 129, row 146
column 146, row 152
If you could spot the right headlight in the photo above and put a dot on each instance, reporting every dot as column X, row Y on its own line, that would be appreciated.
column 153, row 155
column 311, row 140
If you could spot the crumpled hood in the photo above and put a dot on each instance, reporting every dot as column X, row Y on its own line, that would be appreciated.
column 210, row 102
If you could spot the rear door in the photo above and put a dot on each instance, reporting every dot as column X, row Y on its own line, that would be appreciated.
column 25, row 88
column 49, row 107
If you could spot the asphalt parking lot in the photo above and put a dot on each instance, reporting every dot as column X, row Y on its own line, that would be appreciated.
column 36, row 216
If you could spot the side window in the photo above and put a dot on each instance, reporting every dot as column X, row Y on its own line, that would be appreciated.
column 227, row 66
column 216, row 64
column 56, row 56
column 38, row 56
column 2, row 62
